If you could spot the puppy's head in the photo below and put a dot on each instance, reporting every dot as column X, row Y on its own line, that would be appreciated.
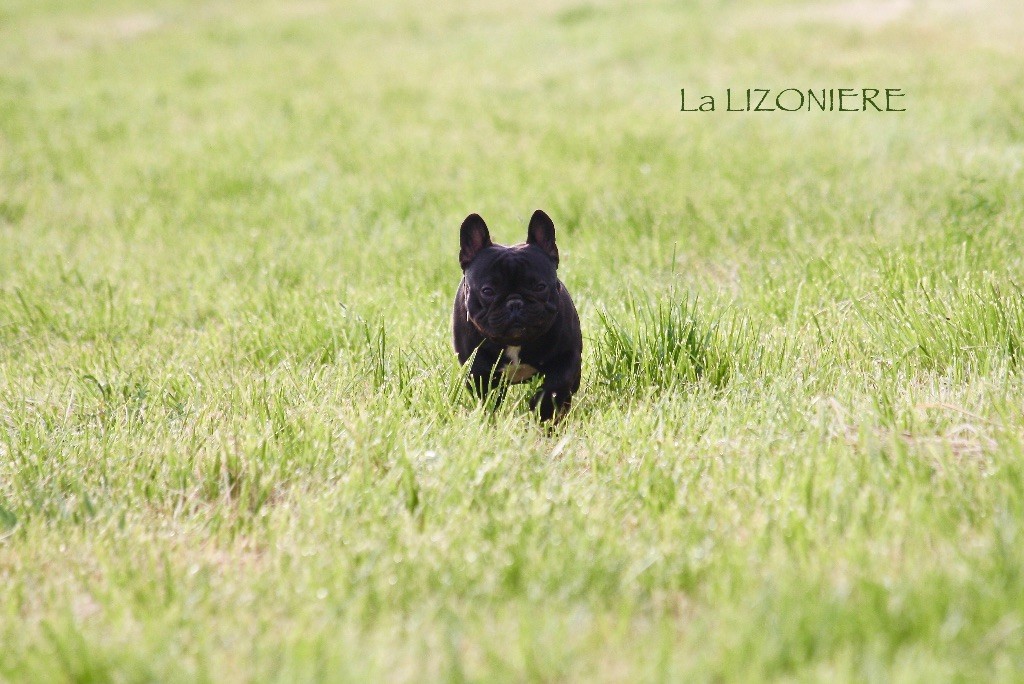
column 511, row 292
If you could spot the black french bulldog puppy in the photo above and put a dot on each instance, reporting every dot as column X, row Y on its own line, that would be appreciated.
column 514, row 312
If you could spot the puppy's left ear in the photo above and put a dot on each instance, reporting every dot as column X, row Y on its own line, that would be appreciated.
column 542, row 233
column 474, row 238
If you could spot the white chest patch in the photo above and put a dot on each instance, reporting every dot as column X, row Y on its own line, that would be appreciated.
column 516, row 371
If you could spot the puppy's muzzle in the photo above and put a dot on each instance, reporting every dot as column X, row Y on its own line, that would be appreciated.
column 514, row 305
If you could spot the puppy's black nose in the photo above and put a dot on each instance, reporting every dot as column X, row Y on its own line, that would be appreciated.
column 514, row 305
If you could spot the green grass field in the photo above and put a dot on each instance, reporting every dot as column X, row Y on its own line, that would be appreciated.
column 234, row 440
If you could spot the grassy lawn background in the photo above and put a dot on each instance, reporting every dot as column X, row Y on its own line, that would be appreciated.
column 234, row 442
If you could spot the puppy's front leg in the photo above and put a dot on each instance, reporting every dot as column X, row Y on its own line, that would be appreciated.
column 484, row 378
column 553, row 399
column 553, row 402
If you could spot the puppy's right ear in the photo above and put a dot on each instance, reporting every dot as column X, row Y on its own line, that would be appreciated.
column 542, row 234
column 475, row 237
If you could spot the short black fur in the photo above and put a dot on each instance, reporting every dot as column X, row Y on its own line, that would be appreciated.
column 516, row 315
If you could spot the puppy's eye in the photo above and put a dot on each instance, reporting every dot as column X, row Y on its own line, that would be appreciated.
column 487, row 291
column 540, row 287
